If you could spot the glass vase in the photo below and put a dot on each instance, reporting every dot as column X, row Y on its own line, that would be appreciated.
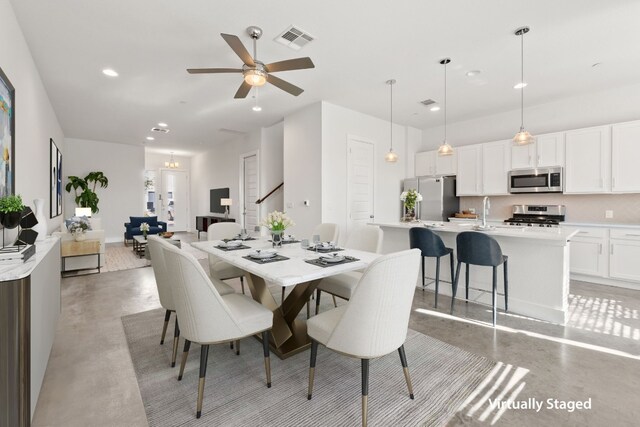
column 276, row 238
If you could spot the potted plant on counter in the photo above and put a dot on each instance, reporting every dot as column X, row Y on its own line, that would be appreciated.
column 409, row 199
column 11, row 208
column 277, row 222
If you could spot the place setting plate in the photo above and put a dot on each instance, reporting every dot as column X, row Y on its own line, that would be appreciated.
column 330, row 260
column 231, row 245
column 324, row 248
column 264, row 256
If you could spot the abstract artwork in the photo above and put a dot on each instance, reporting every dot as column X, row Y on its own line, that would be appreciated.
column 7, row 136
column 55, row 179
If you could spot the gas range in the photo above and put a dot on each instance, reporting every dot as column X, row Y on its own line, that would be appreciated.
column 549, row 216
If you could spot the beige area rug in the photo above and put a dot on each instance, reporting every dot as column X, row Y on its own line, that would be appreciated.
column 445, row 379
column 120, row 257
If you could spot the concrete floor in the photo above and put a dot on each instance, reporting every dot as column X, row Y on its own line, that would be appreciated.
column 90, row 378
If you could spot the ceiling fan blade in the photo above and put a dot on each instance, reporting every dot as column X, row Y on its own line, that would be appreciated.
column 237, row 46
column 285, row 86
column 213, row 70
column 243, row 90
column 290, row 64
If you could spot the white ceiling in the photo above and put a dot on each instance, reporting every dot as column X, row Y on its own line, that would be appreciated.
column 359, row 45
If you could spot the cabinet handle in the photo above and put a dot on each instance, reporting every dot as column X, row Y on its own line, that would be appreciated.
column 611, row 249
column 538, row 158
column 529, row 158
column 583, row 232
column 634, row 235
column 600, row 248
column 613, row 184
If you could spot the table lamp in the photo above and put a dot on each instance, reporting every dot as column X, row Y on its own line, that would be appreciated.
column 83, row 212
column 226, row 203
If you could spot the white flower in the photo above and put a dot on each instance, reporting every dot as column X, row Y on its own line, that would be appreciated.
column 144, row 227
column 403, row 196
column 277, row 221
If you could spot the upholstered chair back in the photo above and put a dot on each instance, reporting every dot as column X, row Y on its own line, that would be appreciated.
column 478, row 249
column 376, row 320
column 223, row 230
column 327, row 231
column 204, row 317
column 365, row 238
column 159, row 266
column 429, row 243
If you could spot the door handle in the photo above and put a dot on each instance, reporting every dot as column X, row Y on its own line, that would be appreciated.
column 611, row 249
column 600, row 248
column 371, row 216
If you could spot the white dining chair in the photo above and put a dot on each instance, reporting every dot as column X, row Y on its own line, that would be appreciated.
column 209, row 318
column 366, row 238
column 374, row 322
column 163, row 284
column 327, row 231
column 217, row 268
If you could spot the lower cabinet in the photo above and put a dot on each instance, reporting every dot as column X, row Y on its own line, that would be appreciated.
column 624, row 254
column 589, row 253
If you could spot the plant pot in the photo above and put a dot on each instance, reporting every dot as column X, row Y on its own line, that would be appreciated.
column 79, row 236
column 276, row 238
column 10, row 220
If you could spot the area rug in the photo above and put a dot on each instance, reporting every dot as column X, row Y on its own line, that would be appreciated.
column 444, row 379
column 120, row 257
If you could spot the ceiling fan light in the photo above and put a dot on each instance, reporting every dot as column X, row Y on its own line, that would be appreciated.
column 523, row 138
column 255, row 77
column 391, row 157
column 445, row 149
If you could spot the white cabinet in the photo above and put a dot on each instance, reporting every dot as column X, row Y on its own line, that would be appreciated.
column 624, row 254
column 589, row 252
column 446, row 165
column 625, row 154
column 469, row 177
column 588, row 160
column 550, row 150
column 496, row 161
column 523, row 156
column 425, row 163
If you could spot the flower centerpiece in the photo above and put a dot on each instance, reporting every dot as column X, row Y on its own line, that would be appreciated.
column 144, row 227
column 409, row 199
column 277, row 222
column 78, row 227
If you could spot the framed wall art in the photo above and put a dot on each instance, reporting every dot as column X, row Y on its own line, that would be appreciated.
column 55, row 179
column 7, row 136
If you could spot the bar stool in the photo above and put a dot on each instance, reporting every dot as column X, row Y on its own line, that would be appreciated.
column 431, row 246
column 479, row 249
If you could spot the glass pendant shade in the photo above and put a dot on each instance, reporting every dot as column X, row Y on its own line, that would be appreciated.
column 255, row 77
column 445, row 149
column 391, row 157
column 523, row 138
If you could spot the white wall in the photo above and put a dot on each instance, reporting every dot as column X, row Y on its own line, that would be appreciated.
column 595, row 108
column 124, row 166
column 303, row 168
column 36, row 121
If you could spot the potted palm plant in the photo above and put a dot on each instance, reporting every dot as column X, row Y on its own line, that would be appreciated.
column 85, row 189
column 11, row 208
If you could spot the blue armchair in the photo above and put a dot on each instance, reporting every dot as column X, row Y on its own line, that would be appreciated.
column 132, row 228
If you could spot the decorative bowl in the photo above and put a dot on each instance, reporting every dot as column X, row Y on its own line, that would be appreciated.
column 167, row 234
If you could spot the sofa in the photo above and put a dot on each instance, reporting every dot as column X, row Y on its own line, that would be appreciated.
column 132, row 228
column 88, row 261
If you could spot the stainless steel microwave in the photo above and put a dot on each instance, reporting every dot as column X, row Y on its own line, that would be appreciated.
column 540, row 180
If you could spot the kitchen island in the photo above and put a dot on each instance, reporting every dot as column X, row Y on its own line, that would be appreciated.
column 538, row 266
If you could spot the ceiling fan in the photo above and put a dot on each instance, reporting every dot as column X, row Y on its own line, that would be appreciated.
column 255, row 72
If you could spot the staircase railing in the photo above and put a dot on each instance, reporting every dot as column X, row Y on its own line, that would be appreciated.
column 259, row 201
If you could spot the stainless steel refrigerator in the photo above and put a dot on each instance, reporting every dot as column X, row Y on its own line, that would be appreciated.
column 439, row 200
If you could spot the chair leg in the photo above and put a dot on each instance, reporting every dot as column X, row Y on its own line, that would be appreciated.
column 242, row 284
column 318, row 291
column 312, row 366
column 185, row 354
column 335, row 303
column 452, row 267
column 282, row 295
column 494, row 299
column 267, row 359
column 365, row 389
column 405, row 368
column 437, row 279
column 237, row 347
column 423, row 281
column 308, row 308
column 204, row 356
column 167, row 315
column 506, row 287
column 231, row 345
column 176, row 338
column 466, row 278
column 455, row 285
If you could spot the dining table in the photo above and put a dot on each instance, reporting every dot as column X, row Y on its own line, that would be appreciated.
column 298, row 268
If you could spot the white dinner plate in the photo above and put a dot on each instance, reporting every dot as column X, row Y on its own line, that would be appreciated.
column 332, row 259
column 262, row 254
column 230, row 244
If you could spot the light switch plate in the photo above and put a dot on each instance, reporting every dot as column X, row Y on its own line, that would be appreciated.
column 608, row 214
column 306, row 203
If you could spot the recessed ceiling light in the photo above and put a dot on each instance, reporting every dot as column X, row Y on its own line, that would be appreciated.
column 473, row 73
column 520, row 85
column 162, row 125
column 434, row 108
column 256, row 108
column 150, row 138
column 109, row 72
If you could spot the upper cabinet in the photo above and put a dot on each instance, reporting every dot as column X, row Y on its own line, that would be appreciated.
column 588, row 160
column 496, row 161
column 447, row 165
column 469, row 177
column 625, row 153
column 548, row 150
column 425, row 163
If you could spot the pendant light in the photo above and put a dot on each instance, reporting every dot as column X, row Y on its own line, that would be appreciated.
column 171, row 164
column 445, row 149
column 523, row 137
column 391, row 156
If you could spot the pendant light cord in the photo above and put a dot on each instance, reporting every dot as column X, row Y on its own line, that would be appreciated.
column 391, row 117
column 522, row 82
column 445, row 103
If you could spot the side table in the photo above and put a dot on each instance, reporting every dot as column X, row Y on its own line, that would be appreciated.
column 71, row 248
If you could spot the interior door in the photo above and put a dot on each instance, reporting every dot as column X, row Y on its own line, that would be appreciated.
column 360, row 182
column 175, row 206
column 249, row 209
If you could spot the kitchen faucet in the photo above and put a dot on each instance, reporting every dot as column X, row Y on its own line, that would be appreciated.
column 486, row 205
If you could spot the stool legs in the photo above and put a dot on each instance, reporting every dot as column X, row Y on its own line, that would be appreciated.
column 452, row 269
column 506, row 287
column 466, row 277
column 423, row 284
column 494, row 293
column 455, row 285
column 437, row 279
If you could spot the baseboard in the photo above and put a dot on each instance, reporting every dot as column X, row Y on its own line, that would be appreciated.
column 606, row 281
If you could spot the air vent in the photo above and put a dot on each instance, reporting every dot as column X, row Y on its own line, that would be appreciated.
column 231, row 131
column 295, row 38
column 427, row 102
column 161, row 130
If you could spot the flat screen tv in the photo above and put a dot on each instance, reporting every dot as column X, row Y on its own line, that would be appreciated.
column 215, row 195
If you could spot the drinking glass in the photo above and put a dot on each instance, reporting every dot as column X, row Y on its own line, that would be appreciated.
column 304, row 243
column 316, row 241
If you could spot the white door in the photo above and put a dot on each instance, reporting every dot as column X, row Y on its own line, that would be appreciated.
column 588, row 160
column 249, row 181
column 175, row 204
column 626, row 152
column 360, row 182
column 495, row 166
column 469, row 178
